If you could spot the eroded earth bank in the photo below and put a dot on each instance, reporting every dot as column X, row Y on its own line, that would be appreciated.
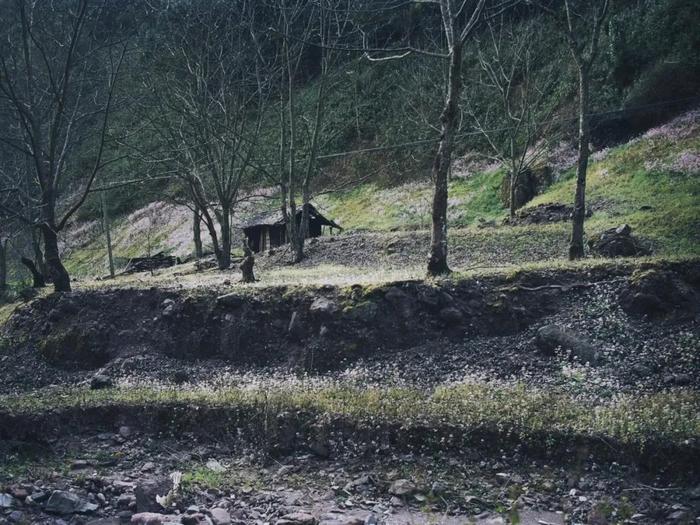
column 540, row 396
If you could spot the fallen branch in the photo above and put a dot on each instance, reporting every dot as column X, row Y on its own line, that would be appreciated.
column 563, row 287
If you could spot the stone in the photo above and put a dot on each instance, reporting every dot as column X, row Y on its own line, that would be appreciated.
column 323, row 307
column 19, row 493
column 125, row 431
column 146, row 492
column 195, row 519
column 124, row 501
column 537, row 517
column 402, row 487
column 358, row 483
column 38, row 497
column 120, row 486
column 215, row 466
column 80, row 464
column 100, row 382
column 152, row 518
column 220, row 516
column 16, row 516
column 297, row 518
column 63, row 502
column 7, row 501
column 617, row 242
column 439, row 488
column 550, row 337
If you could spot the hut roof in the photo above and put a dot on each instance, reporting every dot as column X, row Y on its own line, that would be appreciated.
column 275, row 218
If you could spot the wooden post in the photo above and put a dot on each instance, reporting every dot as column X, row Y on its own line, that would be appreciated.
column 108, row 233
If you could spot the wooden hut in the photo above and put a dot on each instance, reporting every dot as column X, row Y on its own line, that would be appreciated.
column 269, row 230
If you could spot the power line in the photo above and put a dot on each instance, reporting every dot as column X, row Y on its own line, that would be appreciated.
column 635, row 109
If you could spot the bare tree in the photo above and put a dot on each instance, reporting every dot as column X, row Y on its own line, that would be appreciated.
column 303, row 25
column 458, row 20
column 207, row 107
column 512, row 116
column 58, row 71
column 580, row 22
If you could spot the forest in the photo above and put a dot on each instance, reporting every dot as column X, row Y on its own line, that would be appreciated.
column 324, row 262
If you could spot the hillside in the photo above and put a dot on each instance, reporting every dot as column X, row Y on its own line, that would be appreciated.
column 650, row 183
column 420, row 351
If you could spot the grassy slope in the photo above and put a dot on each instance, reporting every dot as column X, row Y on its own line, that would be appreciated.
column 626, row 178
column 643, row 183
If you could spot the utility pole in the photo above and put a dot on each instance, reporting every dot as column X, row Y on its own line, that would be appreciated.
column 108, row 233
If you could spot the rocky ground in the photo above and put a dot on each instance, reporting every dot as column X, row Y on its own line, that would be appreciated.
column 588, row 343
column 114, row 477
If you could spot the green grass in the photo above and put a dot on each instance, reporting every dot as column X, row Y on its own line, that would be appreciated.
column 671, row 417
column 407, row 207
column 633, row 176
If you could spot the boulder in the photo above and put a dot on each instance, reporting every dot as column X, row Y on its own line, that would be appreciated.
column 617, row 242
column 402, row 487
column 550, row 337
column 146, row 492
column 323, row 307
column 7, row 501
column 220, row 516
column 63, row 502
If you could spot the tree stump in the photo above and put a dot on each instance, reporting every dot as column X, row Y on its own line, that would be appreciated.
column 247, row 265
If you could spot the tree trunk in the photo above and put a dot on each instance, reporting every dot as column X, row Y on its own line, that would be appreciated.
column 576, row 249
column 38, row 254
column 513, row 190
column 437, row 261
column 197, row 233
column 56, row 271
column 108, row 232
column 224, row 258
column 3, row 266
column 38, row 280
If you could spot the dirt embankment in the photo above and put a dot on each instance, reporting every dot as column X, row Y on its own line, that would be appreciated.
column 326, row 327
